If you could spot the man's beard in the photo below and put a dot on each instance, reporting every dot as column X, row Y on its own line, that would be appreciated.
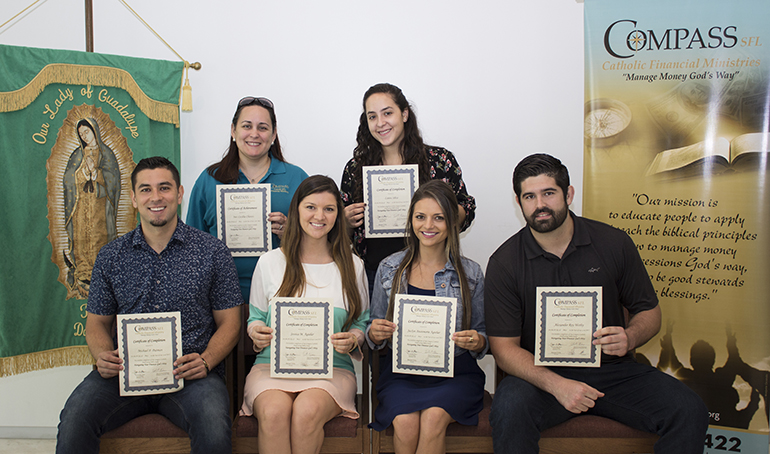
column 158, row 222
column 549, row 225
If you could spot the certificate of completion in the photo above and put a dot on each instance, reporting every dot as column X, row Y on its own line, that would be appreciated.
column 149, row 344
column 388, row 191
column 242, row 211
column 565, row 321
column 422, row 343
column 301, row 345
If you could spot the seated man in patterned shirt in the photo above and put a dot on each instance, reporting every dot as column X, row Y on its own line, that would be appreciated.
column 161, row 266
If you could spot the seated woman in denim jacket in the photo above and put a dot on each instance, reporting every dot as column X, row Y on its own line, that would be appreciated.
column 421, row 407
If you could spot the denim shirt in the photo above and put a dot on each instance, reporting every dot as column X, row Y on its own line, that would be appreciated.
column 447, row 285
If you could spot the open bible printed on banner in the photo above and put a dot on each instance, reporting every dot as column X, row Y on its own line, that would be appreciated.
column 676, row 154
column 72, row 127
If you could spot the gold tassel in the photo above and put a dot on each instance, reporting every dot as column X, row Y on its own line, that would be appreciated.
column 186, row 91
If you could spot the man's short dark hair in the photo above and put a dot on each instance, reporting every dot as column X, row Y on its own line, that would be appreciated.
column 155, row 162
column 540, row 164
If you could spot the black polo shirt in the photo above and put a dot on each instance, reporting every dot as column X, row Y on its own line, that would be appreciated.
column 598, row 255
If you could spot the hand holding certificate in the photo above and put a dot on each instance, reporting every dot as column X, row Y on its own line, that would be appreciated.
column 149, row 344
column 242, row 211
column 565, row 320
column 388, row 191
column 301, row 346
column 422, row 343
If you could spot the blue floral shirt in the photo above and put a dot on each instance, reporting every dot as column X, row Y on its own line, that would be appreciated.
column 194, row 274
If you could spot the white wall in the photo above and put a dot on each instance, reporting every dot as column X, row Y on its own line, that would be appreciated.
column 492, row 81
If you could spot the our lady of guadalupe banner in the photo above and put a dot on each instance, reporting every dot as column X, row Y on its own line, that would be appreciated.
column 677, row 115
column 72, row 127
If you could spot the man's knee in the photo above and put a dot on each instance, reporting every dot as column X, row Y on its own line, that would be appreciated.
column 90, row 400
column 687, row 406
column 85, row 413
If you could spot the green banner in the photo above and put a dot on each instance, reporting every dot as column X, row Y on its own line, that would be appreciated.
column 72, row 127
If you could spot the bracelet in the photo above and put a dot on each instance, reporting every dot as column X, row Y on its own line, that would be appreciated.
column 353, row 348
column 206, row 365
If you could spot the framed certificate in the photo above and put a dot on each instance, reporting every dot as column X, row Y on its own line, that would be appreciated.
column 388, row 192
column 149, row 344
column 242, row 211
column 565, row 321
column 301, row 345
column 422, row 343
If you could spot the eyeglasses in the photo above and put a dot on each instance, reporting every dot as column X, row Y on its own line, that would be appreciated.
column 264, row 102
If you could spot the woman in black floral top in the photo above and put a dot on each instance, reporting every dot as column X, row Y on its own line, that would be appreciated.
column 388, row 135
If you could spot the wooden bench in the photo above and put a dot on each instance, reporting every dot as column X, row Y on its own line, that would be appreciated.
column 585, row 434
column 581, row 435
column 147, row 434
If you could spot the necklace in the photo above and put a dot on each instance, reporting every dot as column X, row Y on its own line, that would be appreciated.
column 258, row 177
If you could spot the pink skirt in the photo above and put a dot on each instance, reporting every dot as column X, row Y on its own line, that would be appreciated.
column 342, row 388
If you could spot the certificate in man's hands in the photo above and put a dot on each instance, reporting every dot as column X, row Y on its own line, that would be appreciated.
column 565, row 320
column 422, row 343
column 388, row 192
column 149, row 344
column 301, row 345
column 242, row 211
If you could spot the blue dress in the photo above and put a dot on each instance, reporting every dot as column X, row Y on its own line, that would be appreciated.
column 462, row 396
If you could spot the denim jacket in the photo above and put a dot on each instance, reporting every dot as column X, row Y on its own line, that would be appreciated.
column 447, row 285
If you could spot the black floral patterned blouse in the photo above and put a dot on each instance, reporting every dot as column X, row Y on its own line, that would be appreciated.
column 443, row 166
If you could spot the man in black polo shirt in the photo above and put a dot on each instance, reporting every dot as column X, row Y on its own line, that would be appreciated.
column 558, row 248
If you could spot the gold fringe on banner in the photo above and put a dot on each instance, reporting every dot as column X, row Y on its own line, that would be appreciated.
column 61, row 73
column 59, row 357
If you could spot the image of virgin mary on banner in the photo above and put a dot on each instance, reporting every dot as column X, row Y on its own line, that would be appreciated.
column 677, row 140
column 91, row 186
column 72, row 127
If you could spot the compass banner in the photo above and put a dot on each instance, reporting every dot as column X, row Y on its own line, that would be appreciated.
column 72, row 127
column 676, row 154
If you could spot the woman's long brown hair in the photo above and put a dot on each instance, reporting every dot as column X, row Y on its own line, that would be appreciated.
column 442, row 193
column 339, row 245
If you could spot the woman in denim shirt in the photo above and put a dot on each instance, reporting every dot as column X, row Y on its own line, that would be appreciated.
column 421, row 407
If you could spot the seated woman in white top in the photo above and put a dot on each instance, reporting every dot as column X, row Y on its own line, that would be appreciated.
column 315, row 261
